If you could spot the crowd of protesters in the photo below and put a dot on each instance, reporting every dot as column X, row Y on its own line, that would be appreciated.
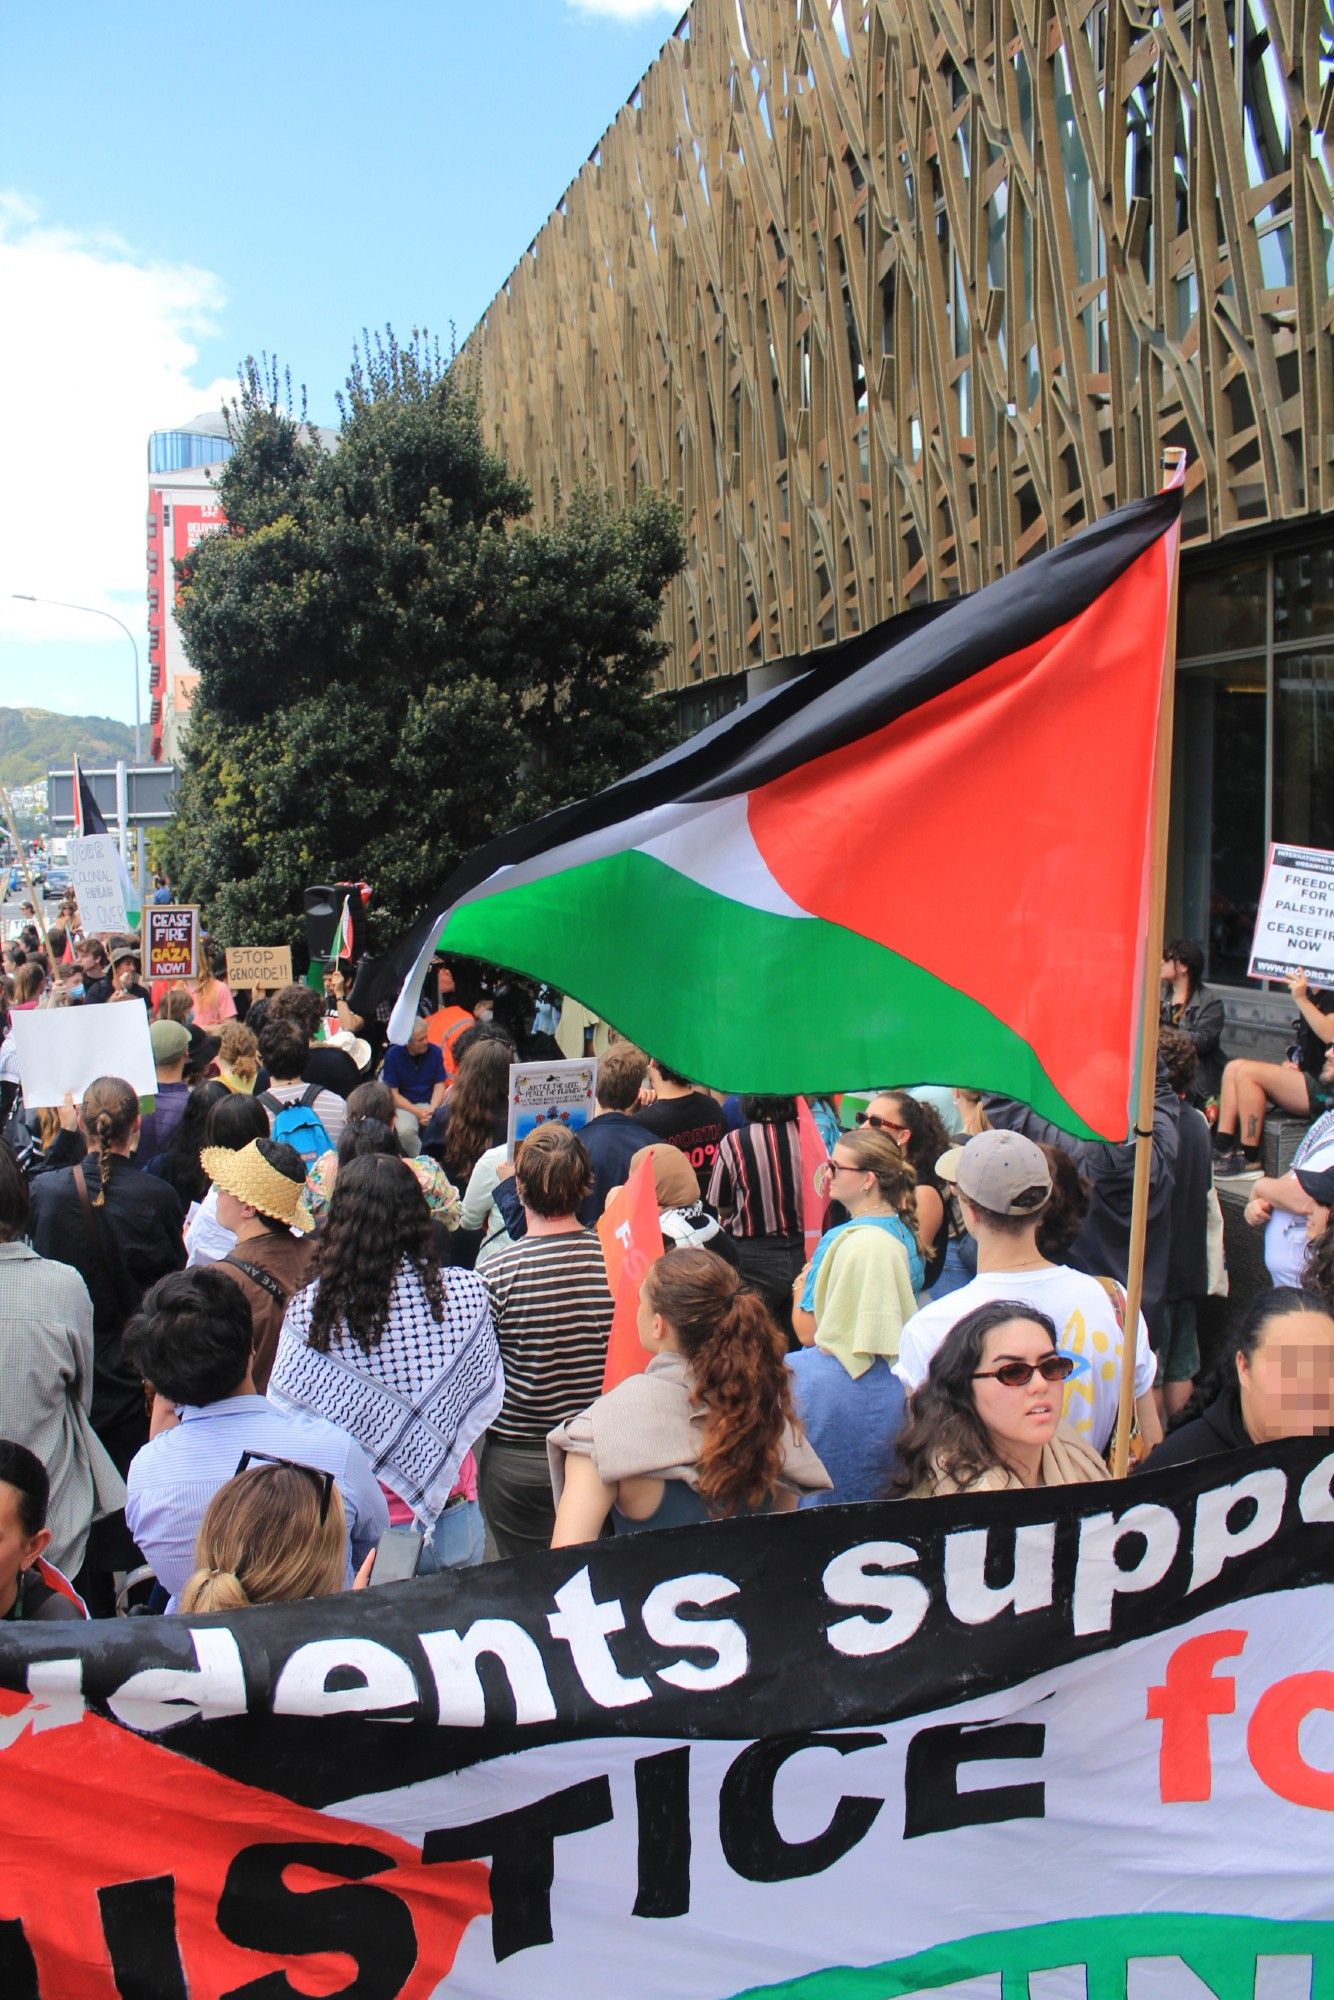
column 305, row 1299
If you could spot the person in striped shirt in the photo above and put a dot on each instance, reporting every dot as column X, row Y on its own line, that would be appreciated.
column 552, row 1312
column 755, row 1190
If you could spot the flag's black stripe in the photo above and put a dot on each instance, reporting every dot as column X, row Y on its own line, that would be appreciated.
column 862, row 686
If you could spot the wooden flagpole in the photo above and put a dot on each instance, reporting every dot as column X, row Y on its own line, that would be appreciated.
column 1174, row 468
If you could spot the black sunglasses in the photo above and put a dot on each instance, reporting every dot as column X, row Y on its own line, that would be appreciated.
column 1018, row 1374
column 324, row 1481
column 876, row 1124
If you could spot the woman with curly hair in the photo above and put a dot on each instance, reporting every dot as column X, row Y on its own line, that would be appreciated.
column 987, row 1419
column 398, row 1353
column 706, row 1433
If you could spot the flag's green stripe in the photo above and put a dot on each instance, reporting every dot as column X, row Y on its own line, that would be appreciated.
column 740, row 999
column 1221, row 1952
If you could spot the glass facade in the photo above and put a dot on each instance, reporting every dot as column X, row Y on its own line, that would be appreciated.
column 1253, row 746
column 182, row 451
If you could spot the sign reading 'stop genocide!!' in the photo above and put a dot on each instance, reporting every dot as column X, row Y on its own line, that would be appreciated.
column 171, row 941
column 1294, row 927
column 259, row 967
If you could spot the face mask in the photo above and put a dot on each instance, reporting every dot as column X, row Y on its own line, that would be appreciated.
column 483, row 1014
column 76, row 992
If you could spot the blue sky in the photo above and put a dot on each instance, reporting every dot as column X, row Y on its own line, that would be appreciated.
column 181, row 186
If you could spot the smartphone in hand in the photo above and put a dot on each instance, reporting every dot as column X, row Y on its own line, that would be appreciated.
column 396, row 1556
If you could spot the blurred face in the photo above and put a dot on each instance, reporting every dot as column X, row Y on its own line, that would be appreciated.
column 417, row 1041
column 17, row 1550
column 1287, row 1385
column 1022, row 1418
column 126, row 973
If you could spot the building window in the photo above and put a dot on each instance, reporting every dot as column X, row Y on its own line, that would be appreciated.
column 1253, row 745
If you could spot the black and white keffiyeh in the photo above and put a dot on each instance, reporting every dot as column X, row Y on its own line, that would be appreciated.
column 418, row 1401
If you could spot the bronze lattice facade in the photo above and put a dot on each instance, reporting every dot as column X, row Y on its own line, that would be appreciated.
column 890, row 295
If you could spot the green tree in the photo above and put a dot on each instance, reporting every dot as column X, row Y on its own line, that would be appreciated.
column 395, row 663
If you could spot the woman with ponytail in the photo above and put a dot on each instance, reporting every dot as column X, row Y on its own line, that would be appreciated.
column 121, row 1231
column 706, row 1433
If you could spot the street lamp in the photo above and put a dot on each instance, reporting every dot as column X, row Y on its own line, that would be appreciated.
column 95, row 611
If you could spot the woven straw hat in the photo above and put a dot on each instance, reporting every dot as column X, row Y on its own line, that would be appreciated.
column 248, row 1175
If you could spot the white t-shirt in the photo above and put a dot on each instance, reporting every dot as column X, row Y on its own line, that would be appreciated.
column 1285, row 1235
column 1086, row 1328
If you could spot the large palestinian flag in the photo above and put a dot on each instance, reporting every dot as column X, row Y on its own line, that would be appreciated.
column 925, row 859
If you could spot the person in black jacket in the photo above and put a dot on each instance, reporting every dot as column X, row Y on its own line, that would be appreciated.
column 121, row 1231
column 1275, row 1380
column 1188, row 1004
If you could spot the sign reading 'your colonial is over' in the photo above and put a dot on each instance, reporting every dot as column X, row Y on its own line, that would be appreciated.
column 1030, row 1746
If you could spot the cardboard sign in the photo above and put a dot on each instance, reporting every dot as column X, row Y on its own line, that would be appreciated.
column 95, row 871
column 540, row 1092
column 65, row 1048
column 1294, row 925
column 171, row 941
column 256, row 968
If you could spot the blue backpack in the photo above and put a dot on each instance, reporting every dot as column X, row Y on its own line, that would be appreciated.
column 296, row 1124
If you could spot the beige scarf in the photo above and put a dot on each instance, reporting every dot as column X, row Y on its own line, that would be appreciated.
column 647, row 1427
column 1066, row 1461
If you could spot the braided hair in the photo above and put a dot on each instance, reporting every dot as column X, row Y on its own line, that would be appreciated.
column 108, row 1114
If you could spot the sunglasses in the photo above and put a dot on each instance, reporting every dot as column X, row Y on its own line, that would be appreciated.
column 1018, row 1374
column 877, row 1124
column 324, row 1481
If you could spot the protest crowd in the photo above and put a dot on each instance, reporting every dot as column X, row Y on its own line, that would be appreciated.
column 301, row 1316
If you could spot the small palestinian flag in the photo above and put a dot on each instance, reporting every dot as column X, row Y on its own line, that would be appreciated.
column 924, row 860
column 342, row 937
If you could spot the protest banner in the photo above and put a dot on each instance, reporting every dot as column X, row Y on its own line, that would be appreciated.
column 259, row 968
column 543, row 1091
column 94, row 870
column 1294, row 925
column 171, row 941
column 65, row 1048
column 1019, row 1746
column 630, row 1233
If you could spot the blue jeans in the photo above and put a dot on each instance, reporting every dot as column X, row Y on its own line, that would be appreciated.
column 458, row 1542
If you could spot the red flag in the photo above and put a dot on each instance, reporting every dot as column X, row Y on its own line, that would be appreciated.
column 631, row 1237
column 813, row 1157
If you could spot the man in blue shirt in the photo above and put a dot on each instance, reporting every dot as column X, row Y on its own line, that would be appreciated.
column 192, row 1340
column 415, row 1074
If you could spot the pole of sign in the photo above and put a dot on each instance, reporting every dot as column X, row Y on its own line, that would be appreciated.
column 1174, row 471
column 123, row 813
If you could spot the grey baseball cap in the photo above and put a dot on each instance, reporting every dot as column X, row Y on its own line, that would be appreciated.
column 1000, row 1171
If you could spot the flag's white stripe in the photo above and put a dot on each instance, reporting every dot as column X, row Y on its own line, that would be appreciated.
column 709, row 843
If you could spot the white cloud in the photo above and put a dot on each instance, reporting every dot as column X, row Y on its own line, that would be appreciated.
column 99, row 346
column 628, row 10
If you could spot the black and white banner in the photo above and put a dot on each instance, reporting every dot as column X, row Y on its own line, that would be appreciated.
column 1019, row 1747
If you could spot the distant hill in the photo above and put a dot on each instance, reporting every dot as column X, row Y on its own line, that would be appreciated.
column 33, row 742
